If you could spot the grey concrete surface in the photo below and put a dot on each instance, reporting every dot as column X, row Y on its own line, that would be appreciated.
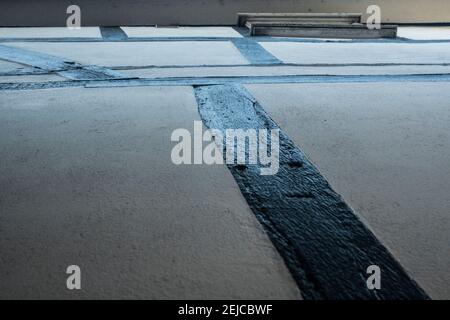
column 385, row 148
column 181, row 32
column 141, row 53
column 51, row 32
column 325, row 30
column 284, row 70
column 246, row 19
column 31, row 78
column 86, row 176
column 86, row 179
column 7, row 66
column 201, row 12
column 328, row 53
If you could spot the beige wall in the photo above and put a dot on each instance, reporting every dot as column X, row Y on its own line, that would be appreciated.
column 206, row 12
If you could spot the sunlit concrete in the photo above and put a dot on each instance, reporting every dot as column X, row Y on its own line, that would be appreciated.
column 385, row 147
column 87, row 179
column 181, row 32
column 141, row 53
column 50, row 32
column 326, row 53
column 424, row 33
column 283, row 71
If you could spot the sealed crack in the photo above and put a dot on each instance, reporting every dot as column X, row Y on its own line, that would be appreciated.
column 323, row 243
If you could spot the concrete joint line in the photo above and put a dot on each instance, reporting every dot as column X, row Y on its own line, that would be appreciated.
column 324, row 244
column 215, row 80
column 276, row 64
column 116, row 35
column 97, row 82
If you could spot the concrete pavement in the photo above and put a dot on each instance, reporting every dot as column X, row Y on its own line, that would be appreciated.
column 385, row 148
column 87, row 179
column 86, row 176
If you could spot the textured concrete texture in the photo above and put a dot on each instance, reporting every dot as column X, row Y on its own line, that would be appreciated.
column 7, row 66
column 181, row 32
column 385, row 148
column 32, row 78
column 370, row 53
column 86, row 176
column 201, row 12
column 51, row 32
column 141, row 53
column 325, row 30
column 284, row 71
column 87, row 179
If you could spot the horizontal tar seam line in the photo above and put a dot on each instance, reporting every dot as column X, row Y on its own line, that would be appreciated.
column 196, row 81
column 278, row 64
column 258, row 39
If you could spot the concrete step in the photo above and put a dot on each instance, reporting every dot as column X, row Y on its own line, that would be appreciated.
column 334, row 18
column 307, row 30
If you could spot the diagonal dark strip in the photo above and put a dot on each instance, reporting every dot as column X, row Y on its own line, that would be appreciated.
column 113, row 33
column 64, row 67
column 254, row 52
column 323, row 243
column 35, row 59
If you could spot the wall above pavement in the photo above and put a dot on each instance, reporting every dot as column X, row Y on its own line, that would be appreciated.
column 205, row 12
